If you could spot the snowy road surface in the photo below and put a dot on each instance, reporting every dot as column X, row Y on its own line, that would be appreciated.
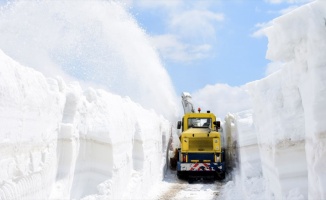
column 173, row 188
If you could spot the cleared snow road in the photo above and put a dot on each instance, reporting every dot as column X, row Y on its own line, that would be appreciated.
column 173, row 188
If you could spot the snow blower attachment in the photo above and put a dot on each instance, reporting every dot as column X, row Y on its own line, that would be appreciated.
column 200, row 154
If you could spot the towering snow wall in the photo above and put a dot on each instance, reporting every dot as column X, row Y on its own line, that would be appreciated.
column 30, row 114
column 243, row 156
column 290, row 106
column 61, row 142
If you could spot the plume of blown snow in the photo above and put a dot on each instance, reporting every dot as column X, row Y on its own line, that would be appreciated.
column 96, row 42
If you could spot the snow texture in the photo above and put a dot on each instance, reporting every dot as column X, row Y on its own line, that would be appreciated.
column 61, row 139
column 61, row 142
column 289, row 109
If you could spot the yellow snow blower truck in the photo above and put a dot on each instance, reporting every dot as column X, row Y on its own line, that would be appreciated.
column 200, row 155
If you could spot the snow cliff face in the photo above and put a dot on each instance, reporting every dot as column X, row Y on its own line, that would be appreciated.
column 290, row 109
column 59, row 141
column 31, row 111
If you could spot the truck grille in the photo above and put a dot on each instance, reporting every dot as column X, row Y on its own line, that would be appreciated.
column 200, row 144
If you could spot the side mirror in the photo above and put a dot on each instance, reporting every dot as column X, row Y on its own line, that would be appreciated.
column 179, row 125
column 217, row 124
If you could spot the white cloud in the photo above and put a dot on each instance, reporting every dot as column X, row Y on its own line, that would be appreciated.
column 171, row 48
column 261, row 27
column 160, row 4
column 189, row 30
column 195, row 23
column 274, row 1
column 287, row 1
column 222, row 99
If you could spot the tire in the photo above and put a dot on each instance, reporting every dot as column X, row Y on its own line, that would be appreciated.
column 173, row 164
column 220, row 176
column 181, row 175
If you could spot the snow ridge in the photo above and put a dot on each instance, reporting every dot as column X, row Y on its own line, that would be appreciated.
column 63, row 142
column 288, row 113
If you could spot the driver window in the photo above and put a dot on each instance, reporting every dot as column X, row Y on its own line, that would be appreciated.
column 199, row 122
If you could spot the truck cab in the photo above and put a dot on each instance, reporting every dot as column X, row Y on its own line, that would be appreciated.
column 197, row 120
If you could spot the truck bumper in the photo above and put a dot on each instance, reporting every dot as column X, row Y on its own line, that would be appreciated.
column 201, row 170
column 218, row 167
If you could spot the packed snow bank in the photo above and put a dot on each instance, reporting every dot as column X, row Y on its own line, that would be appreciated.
column 61, row 142
column 243, row 156
column 30, row 112
column 280, row 152
column 290, row 106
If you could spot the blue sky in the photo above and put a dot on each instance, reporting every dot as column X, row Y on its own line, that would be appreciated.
column 209, row 48
column 205, row 42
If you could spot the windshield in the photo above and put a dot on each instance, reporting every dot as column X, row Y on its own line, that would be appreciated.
column 199, row 122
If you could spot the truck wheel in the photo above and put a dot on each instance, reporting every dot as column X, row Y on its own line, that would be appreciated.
column 173, row 164
column 181, row 175
column 221, row 176
column 191, row 180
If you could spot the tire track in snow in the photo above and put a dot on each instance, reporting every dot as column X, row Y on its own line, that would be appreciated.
column 172, row 192
column 175, row 189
